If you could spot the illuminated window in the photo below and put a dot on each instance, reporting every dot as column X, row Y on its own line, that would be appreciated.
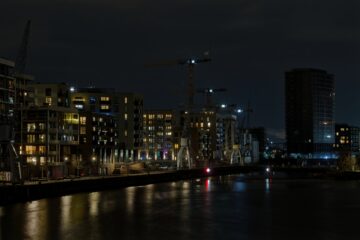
column 125, row 116
column 71, row 118
column 125, row 133
column 42, row 149
column 79, row 99
column 30, row 149
column 79, row 106
column 42, row 126
column 168, row 134
column 31, row 127
column 48, row 100
column 82, row 120
column 82, row 130
column 31, row 160
column 104, row 107
column 125, row 100
column 176, row 146
column 42, row 160
column 42, row 138
column 30, row 138
column 104, row 99
column 92, row 100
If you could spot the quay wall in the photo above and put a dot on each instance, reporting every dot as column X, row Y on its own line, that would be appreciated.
column 44, row 189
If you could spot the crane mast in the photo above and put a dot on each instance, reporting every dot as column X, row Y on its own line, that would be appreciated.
column 184, row 154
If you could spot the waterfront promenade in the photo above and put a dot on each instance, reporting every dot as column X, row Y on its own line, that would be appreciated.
column 43, row 188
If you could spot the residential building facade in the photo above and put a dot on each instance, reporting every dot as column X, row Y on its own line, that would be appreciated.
column 158, row 132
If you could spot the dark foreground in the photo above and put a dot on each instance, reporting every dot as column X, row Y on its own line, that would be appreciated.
column 223, row 207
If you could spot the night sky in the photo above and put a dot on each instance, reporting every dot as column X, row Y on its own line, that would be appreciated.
column 252, row 43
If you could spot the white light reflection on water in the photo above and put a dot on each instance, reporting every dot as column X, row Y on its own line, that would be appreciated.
column 268, row 184
column 66, row 212
column 94, row 203
column 185, row 200
column 130, row 198
column 36, row 219
column 149, row 193
column 173, row 192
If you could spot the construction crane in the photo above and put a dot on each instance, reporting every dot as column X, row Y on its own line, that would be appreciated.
column 183, row 155
column 208, row 93
column 245, row 135
column 20, row 62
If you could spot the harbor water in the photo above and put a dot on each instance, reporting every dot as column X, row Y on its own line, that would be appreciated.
column 224, row 207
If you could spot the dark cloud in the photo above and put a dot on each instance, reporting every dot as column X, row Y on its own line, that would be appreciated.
column 252, row 43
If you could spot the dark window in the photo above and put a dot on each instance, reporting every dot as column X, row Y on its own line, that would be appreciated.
column 48, row 91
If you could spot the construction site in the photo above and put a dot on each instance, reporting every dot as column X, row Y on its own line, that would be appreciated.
column 51, row 130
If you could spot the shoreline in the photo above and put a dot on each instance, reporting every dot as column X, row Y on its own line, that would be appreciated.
column 10, row 194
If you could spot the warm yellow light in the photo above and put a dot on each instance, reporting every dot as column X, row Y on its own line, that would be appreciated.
column 48, row 101
column 83, row 120
column 104, row 107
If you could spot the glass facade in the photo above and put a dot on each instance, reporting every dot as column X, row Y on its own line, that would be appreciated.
column 310, row 126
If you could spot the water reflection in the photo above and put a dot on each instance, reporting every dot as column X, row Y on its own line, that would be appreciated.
column 94, row 199
column 66, row 212
column 239, row 186
column 229, row 207
column 208, row 185
column 268, row 184
column 36, row 219
column 130, row 198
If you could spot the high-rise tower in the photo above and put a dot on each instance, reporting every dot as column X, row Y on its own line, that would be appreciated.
column 310, row 127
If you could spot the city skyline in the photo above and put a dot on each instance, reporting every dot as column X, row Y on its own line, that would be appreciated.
column 251, row 44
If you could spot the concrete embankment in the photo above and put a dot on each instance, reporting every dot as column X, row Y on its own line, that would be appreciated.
column 45, row 189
